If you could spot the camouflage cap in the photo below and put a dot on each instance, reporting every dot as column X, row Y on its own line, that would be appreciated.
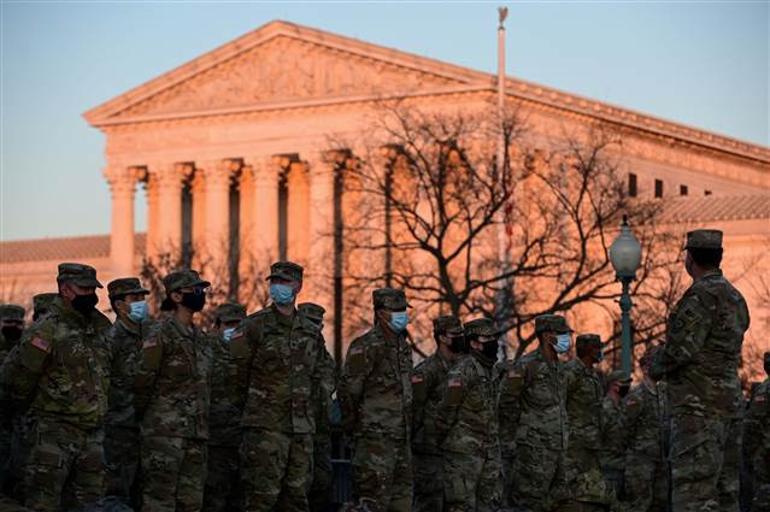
column 389, row 298
column 704, row 239
column 125, row 286
column 42, row 301
column 286, row 270
column 11, row 312
column 79, row 274
column 312, row 311
column 230, row 312
column 481, row 327
column 585, row 340
column 555, row 323
column 617, row 375
column 447, row 324
column 183, row 279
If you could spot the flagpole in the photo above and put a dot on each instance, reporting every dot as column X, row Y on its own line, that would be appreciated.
column 502, row 233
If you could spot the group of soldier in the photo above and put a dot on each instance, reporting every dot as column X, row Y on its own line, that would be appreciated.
column 160, row 415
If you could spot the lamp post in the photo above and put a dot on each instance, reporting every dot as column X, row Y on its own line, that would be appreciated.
column 625, row 256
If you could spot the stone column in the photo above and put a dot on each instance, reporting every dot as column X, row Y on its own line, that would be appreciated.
column 169, row 178
column 151, row 242
column 298, row 213
column 218, row 175
column 122, row 183
column 320, row 260
column 263, row 238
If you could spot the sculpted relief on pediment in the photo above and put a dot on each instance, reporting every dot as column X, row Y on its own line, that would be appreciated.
column 284, row 69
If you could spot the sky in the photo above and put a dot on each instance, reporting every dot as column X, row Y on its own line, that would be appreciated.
column 705, row 64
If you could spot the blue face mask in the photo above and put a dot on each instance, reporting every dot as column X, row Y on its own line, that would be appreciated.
column 138, row 311
column 227, row 334
column 600, row 356
column 398, row 321
column 282, row 294
column 562, row 343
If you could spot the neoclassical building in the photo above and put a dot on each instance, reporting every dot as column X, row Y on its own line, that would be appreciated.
column 234, row 151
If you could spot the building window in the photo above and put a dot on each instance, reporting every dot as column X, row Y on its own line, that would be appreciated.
column 187, row 239
column 632, row 186
column 683, row 190
column 658, row 188
column 706, row 192
column 234, row 225
column 283, row 214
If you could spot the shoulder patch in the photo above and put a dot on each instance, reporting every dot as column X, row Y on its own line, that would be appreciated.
column 357, row 358
column 417, row 379
column 455, row 395
column 150, row 343
column 41, row 344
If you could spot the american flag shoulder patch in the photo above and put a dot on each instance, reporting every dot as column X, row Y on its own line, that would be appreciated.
column 455, row 382
column 40, row 344
column 149, row 343
column 417, row 379
column 238, row 334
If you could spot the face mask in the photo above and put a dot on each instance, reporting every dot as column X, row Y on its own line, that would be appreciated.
column 489, row 350
column 194, row 301
column 600, row 356
column 623, row 390
column 227, row 334
column 767, row 368
column 282, row 294
column 562, row 343
column 84, row 304
column 458, row 344
column 688, row 266
column 398, row 321
column 138, row 311
column 12, row 333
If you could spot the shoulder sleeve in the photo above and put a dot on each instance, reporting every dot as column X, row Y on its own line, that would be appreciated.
column 452, row 399
column 150, row 360
column 25, row 364
column 358, row 364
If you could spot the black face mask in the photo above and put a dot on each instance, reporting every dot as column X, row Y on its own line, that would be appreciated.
column 767, row 368
column 84, row 304
column 489, row 350
column 194, row 301
column 623, row 390
column 458, row 344
column 12, row 332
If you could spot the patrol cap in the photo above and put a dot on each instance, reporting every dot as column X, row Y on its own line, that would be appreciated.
column 125, row 286
column 286, row 270
column 481, row 327
column 704, row 239
column 230, row 312
column 447, row 324
column 312, row 311
column 618, row 375
column 389, row 298
column 42, row 301
column 79, row 274
column 555, row 323
column 585, row 340
column 11, row 312
column 183, row 279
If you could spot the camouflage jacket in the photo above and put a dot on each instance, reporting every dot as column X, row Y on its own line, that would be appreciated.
column 584, row 405
column 226, row 401
column 532, row 403
column 429, row 379
column 324, row 389
column 466, row 420
column 280, row 361
column 126, row 343
column 613, row 434
column 700, row 358
column 645, row 421
column 375, row 389
column 61, row 368
column 6, row 346
column 756, row 434
column 173, row 383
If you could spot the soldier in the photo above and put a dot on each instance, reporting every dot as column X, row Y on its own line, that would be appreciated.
column 280, row 359
column 646, row 425
column 699, row 363
column 172, row 399
column 222, row 492
column 41, row 303
column 466, row 425
column 613, row 432
column 121, row 433
column 428, row 383
column 62, row 371
column 586, row 487
column 532, row 404
column 757, row 443
column 11, row 329
column 375, row 394
column 319, row 495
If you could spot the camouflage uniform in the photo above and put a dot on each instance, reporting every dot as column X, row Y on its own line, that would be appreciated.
column 41, row 304
column 14, row 316
column 757, row 443
column 319, row 495
column 467, row 429
column 532, row 406
column 121, row 431
column 646, row 472
column 585, row 482
column 375, row 393
column 429, row 380
column 222, row 492
column 172, row 398
column 280, row 359
column 613, row 451
column 699, row 362
column 62, row 371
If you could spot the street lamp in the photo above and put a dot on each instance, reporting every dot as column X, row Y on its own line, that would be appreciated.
column 625, row 256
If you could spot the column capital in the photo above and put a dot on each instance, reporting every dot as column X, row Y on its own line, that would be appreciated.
column 264, row 170
column 218, row 173
column 123, row 179
column 169, row 175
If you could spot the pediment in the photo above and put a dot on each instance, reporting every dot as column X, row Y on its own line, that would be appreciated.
column 285, row 66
